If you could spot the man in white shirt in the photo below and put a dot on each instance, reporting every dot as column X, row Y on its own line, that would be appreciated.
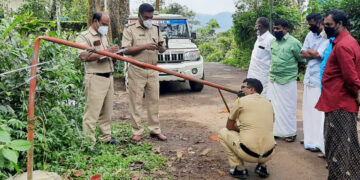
column 261, row 55
column 313, row 50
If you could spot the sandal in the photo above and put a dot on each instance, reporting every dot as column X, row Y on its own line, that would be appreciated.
column 290, row 139
column 321, row 155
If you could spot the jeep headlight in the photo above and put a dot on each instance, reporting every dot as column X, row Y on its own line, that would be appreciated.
column 192, row 55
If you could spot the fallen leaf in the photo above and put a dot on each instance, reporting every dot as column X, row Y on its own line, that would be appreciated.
column 214, row 138
column 96, row 177
column 224, row 111
column 169, row 163
column 78, row 173
column 156, row 149
column 179, row 154
column 205, row 152
column 221, row 173
column 173, row 169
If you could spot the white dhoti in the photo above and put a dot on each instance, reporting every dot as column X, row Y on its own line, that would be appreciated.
column 313, row 120
column 284, row 100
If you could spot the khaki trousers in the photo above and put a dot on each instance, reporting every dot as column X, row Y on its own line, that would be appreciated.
column 144, row 81
column 236, row 156
column 99, row 93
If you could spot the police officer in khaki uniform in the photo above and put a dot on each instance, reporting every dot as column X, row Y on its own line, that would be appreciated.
column 248, row 136
column 99, row 83
column 144, row 41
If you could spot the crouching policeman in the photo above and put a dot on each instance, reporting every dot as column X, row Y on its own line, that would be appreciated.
column 248, row 136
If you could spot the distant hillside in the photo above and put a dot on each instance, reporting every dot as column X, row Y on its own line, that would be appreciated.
column 224, row 19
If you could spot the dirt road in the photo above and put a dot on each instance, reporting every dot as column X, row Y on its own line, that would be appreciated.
column 188, row 119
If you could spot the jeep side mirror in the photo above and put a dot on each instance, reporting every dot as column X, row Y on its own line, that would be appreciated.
column 193, row 35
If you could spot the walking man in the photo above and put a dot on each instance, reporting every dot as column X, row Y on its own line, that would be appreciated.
column 313, row 50
column 285, row 55
column 144, row 41
column 261, row 55
column 339, row 99
column 99, row 83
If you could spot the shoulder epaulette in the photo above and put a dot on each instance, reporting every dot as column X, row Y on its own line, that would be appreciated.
column 131, row 24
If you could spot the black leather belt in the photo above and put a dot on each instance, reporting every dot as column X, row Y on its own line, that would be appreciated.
column 107, row 75
column 254, row 154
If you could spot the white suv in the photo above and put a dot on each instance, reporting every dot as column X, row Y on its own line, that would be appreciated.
column 182, row 55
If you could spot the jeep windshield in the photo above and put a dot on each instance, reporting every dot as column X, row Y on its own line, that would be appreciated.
column 173, row 28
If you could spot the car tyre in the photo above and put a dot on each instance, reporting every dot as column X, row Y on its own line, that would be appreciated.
column 197, row 87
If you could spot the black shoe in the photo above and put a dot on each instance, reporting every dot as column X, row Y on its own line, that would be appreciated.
column 242, row 174
column 113, row 141
column 261, row 171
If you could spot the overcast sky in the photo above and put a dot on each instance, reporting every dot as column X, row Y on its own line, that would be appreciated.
column 211, row 7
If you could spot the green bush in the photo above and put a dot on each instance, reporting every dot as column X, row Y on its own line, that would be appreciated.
column 206, row 49
column 351, row 8
column 239, row 58
column 244, row 26
column 216, row 56
column 59, row 94
column 59, row 145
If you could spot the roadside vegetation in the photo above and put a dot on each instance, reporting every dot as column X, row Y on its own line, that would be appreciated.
column 59, row 145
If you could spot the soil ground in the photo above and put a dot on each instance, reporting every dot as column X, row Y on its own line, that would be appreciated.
column 188, row 119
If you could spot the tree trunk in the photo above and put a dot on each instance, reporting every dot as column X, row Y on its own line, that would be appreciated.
column 58, row 14
column 118, row 11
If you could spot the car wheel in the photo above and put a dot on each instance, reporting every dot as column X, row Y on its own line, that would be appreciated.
column 196, row 87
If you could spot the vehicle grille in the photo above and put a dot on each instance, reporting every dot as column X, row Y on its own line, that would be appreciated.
column 170, row 57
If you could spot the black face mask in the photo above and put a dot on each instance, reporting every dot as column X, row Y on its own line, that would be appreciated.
column 278, row 35
column 330, row 32
column 314, row 29
column 241, row 94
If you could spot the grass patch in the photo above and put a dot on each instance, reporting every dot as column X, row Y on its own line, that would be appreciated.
column 121, row 161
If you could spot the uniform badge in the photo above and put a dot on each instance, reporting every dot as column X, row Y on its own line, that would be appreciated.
column 97, row 43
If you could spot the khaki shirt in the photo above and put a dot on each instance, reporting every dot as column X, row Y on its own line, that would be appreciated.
column 254, row 116
column 136, row 35
column 93, row 39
